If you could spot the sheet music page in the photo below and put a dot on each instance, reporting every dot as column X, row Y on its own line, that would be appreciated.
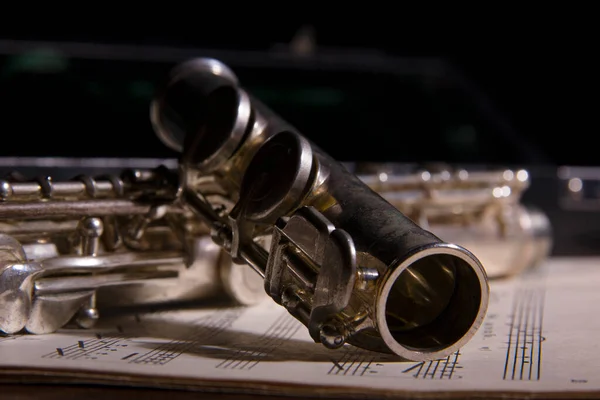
column 540, row 335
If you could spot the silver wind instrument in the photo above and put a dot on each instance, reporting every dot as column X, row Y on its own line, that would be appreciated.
column 69, row 248
column 249, row 189
column 343, row 261
column 478, row 209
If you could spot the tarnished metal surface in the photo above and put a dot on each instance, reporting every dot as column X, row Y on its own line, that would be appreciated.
column 343, row 261
column 374, row 258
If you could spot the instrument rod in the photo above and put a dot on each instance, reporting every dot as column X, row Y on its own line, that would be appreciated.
column 45, row 188
column 110, row 261
column 518, row 180
column 449, row 198
column 254, row 255
column 70, row 284
column 77, row 209
column 40, row 227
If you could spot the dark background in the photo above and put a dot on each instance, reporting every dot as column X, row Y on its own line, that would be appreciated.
column 539, row 74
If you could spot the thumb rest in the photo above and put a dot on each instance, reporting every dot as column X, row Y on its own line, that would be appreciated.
column 339, row 257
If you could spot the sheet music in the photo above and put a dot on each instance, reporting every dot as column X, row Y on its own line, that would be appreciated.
column 540, row 335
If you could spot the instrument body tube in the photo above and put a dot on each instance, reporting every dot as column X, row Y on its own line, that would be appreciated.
column 342, row 260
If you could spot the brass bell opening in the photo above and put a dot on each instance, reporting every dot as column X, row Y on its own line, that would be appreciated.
column 433, row 303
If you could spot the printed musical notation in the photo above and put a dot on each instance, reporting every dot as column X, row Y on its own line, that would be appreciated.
column 360, row 363
column 355, row 362
column 264, row 345
column 248, row 357
column 91, row 349
column 524, row 351
column 208, row 327
column 445, row 368
column 115, row 347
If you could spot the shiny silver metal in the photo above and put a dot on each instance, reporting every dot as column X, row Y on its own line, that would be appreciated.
column 249, row 190
column 480, row 210
column 343, row 260
column 68, row 249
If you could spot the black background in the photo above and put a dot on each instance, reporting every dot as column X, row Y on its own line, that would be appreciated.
column 539, row 69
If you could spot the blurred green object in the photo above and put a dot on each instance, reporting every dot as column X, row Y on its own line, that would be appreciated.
column 42, row 60
column 319, row 96
column 95, row 88
column 142, row 90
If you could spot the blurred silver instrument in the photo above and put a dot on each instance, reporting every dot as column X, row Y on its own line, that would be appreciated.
column 478, row 209
column 340, row 258
column 579, row 188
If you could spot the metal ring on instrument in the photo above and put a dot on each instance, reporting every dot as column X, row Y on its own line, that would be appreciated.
column 219, row 115
column 277, row 178
column 461, row 317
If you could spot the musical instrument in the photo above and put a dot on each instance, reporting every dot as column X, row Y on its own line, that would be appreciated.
column 343, row 261
column 114, row 241
column 478, row 209
column 340, row 258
